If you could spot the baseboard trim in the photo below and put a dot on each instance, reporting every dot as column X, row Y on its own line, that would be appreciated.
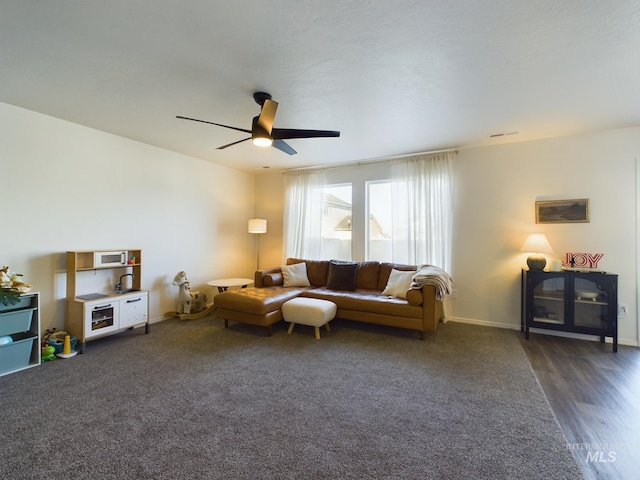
column 483, row 323
column 593, row 338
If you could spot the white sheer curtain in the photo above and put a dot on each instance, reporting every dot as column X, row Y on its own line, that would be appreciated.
column 303, row 214
column 422, row 209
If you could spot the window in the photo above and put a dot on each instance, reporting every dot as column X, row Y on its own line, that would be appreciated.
column 356, row 212
column 336, row 222
column 379, row 228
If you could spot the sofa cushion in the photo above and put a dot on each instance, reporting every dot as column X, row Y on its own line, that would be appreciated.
column 399, row 283
column 369, row 301
column 385, row 271
column 342, row 275
column 295, row 275
column 317, row 270
column 367, row 277
column 255, row 300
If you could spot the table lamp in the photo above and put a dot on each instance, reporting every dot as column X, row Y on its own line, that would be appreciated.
column 537, row 244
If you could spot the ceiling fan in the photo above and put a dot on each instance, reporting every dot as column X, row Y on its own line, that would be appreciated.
column 262, row 132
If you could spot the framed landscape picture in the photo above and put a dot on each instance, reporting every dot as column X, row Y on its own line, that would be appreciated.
column 563, row 211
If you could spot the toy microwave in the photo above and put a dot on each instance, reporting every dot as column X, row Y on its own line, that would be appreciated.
column 109, row 259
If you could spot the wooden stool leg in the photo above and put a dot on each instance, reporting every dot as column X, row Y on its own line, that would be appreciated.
column 290, row 327
column 226, row 323
column 326, row 325
column 317, row 329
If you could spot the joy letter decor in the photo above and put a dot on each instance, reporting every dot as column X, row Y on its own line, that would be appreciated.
column 582, row 260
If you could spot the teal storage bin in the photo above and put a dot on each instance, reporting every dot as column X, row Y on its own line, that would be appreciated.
column 59, row 344
column 17, row 355
column 17, row 321
column 23, row 302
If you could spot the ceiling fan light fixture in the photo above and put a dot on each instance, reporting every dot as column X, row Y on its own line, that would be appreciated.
column 262, row 132
column 262, row 141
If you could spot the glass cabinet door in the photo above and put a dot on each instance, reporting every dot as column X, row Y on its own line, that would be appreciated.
column 591, row 304
column 548, row 301
column 570, row 301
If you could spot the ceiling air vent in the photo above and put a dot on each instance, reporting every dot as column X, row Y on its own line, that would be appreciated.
column 503, row 134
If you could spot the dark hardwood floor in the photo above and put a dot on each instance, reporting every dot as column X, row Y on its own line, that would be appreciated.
column 595, row 395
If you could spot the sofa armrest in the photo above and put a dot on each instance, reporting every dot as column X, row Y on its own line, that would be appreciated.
column 414, row 296
column 432, row 308
column 268, row 278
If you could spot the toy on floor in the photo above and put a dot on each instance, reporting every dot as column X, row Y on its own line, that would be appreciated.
column 47, row 335
column 188, row 301
column 66, row 349
column 48, row 354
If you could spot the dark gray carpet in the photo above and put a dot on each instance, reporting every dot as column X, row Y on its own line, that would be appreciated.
column 194, row 400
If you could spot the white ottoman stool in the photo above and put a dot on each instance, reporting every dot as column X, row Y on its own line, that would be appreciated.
column 309, row 311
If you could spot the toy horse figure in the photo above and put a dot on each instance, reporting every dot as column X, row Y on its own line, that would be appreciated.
column 188, row 300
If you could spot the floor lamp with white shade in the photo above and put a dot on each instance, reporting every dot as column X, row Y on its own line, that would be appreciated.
column 257, row 226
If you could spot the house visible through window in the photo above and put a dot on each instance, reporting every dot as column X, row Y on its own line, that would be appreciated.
column 379, row 229
column 336, row 222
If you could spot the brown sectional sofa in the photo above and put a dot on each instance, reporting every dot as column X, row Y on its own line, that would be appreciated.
column 261, row 305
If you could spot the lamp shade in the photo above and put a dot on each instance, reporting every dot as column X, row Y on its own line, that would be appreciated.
column 257, row 225
column 537, row 244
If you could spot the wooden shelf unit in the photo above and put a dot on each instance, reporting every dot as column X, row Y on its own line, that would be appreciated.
column 81, row 261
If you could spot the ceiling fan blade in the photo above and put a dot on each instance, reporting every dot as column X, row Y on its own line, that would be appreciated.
column 217, row 124
column 283, row 146
column 284, row 133
column 234, row 143
column 267, row 115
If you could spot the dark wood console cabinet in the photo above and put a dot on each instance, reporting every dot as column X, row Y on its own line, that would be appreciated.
column 570, row 301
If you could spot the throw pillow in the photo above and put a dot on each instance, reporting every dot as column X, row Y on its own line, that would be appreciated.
column 295, row 275
column 342, row 275
column 399, row 283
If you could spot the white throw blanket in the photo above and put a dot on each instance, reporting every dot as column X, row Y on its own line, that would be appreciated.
column 430, row 275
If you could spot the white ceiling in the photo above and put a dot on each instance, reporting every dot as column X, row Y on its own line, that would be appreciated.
column 394, row 76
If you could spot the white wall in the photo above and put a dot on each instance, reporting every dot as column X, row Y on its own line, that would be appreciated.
column 270, row 205
column 496, row 189
column 68, row 187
